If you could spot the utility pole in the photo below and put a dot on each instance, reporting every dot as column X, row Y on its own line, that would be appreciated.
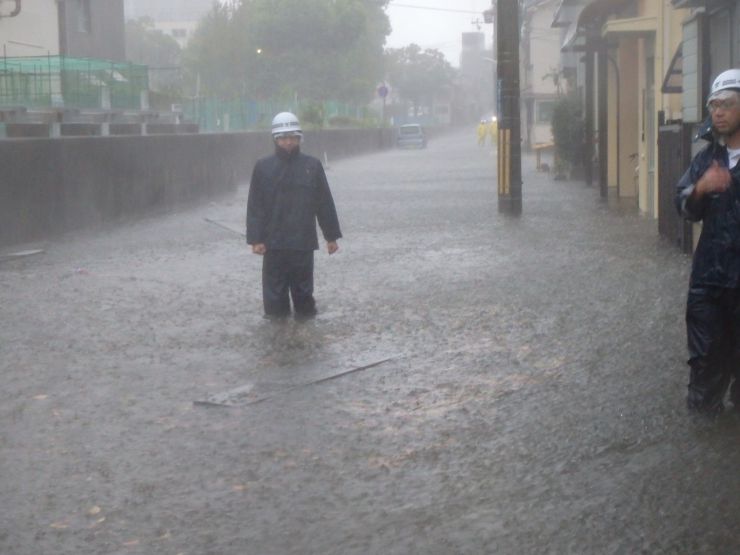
column 15, row 11
column 509, row 111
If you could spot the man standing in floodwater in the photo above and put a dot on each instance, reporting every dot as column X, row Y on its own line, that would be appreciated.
column 288, row 193
column 482, row 131
column 710, row 191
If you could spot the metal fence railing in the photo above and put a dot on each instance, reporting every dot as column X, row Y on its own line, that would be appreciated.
column 216, row 115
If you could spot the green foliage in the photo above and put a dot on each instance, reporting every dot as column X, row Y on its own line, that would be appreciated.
column 418, row 76
column 160, row 52
column 567, row 130
column 312, row 115
column 345, row 121
column 557, row 75
column 163, row 100
column 305, row 49
column 208, row 56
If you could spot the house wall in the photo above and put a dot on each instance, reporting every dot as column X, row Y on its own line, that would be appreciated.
column 672, row 103
column 613, row 120
column 668, row 38
column 539, row 91
column 720, row 31
column 33, row 32
column 736, row 38
column 655, row 51
column 644, row 46
column 724, row 38
column 711, row 44
column 545, row 60
column 629, row 109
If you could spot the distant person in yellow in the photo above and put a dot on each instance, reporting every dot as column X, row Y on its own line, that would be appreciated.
column 493, row 131
column 482, row 132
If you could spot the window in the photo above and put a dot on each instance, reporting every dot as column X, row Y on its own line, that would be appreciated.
column 410, row 129
column 84, row 21
column 544, row 111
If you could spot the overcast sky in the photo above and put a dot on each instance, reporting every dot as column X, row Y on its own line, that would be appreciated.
column 437, row 24
column 429, row 23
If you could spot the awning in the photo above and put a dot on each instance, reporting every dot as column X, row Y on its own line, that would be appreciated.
column 567, row 12
column 698, row 3
column 583, row 13
column 570, row 37
column 673, row 80
column 567, row 15
column 630, row 27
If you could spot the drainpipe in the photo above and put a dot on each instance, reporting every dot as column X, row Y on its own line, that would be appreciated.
column 588, row 155
column 603, row 114
column 15, row 11
column 61, row 21
column 618, row 88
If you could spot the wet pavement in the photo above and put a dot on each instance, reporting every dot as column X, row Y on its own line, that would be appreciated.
column 533, row 401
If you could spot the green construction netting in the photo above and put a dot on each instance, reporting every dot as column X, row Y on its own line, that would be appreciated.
column 59, row 81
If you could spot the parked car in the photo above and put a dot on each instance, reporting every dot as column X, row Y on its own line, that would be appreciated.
column 411, row 135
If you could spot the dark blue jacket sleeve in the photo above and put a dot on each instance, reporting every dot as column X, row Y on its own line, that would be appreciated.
column 326, row 212
column 256, row 209
column 687, row 205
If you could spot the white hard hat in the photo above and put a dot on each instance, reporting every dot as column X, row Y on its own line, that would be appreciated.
column 727, row 80
column 286, row 123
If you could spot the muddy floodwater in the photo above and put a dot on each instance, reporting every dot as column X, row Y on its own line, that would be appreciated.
column 528, row 395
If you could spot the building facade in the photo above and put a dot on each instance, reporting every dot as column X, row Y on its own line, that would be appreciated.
column 32, row 31
column 540, row 71
column 73, row 28
column 92, row 29
column 176, row 18
column 643, row 73
column 476, row 94
column 626, row 47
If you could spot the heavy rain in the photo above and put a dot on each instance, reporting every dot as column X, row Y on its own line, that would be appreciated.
column 475, row 380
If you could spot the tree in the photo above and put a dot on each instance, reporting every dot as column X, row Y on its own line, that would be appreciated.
column 418, row 75
column 209, row 57
column 567, row 132
column 151, row 47
column 315, row 49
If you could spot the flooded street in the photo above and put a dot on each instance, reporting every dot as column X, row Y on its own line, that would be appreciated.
column 530, row 397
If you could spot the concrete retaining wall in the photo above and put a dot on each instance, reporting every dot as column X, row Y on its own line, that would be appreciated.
column 50, row 186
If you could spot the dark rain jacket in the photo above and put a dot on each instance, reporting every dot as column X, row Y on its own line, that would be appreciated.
column 287, row 195
column 717, row 257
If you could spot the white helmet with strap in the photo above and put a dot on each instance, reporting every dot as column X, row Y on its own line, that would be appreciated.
column 286, row 123
column 725, row 81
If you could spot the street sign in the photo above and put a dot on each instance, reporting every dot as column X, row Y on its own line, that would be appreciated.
column 382, row 91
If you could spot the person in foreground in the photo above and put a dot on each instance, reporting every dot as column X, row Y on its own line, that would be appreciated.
column 288, row 194
column 709, row 192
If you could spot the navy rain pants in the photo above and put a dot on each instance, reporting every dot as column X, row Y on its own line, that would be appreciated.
column 284, row 271
column 713, row 331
